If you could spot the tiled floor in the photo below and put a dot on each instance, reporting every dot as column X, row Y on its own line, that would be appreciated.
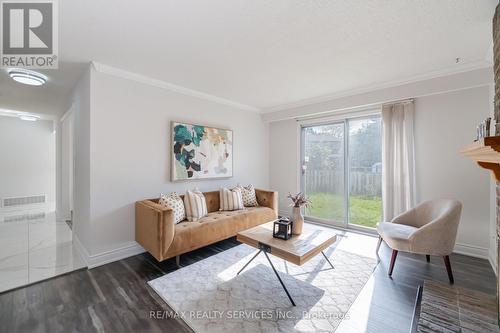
column 33, row 247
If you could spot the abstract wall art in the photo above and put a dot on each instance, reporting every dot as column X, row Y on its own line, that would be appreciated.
column 201, row 152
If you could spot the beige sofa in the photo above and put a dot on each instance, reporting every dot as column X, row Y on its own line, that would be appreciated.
column 156, row 232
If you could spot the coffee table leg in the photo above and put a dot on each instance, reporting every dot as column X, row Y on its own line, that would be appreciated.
column 324, row 255
column 248, row 262
column 282, row 284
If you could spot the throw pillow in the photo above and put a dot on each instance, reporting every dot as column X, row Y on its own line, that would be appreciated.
column 174, row 202
column 248, row 195
column 196, row 205
column 230, row 199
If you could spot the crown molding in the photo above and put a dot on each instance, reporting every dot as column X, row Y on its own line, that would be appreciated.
column 388, row 84
column 124, row 74
column 441, row 84
column 67, row 113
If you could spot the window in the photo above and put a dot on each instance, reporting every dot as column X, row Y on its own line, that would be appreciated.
column 342, row 171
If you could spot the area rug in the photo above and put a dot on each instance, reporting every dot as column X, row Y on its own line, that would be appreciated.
column 446, row 308
column 210, row 297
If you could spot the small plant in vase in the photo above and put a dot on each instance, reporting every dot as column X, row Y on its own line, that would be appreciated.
column 299, row 200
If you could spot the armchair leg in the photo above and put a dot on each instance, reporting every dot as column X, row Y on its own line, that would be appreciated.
column 379, row 243
column 393, row 261
column 448, row 268
column 428, row 257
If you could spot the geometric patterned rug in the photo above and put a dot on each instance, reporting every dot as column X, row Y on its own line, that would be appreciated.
column 209, row 296
column 446, row 308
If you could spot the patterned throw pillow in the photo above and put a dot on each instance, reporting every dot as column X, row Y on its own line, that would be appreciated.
column 230, row 199
column 195, row 204
column 249, row 196
column 174, row 202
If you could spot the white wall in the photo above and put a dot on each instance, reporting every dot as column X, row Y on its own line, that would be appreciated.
column 284, row 158
column 444, row 122
column 130, row 154
column 443, row 125
column 28, row 160
column 82, row 236
column 66, row 170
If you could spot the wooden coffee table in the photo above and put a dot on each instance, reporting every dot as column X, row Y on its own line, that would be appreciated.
column 298, row 250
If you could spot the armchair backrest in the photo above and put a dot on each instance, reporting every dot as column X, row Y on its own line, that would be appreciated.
column 446, row 211
column 438, row 225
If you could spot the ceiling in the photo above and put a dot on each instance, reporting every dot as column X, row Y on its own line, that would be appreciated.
column 261, row 53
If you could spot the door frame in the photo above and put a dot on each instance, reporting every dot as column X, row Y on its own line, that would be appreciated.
column 343, row 224
column 340, row 119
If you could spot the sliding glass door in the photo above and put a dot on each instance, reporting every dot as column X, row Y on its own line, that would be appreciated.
column 323, row 171
column 342, row 171
column 365, row 171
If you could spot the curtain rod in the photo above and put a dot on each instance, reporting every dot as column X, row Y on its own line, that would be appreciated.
column 403, row 101
column 353, row 110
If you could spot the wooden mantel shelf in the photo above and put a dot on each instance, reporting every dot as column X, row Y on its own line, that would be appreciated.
column 486, row 152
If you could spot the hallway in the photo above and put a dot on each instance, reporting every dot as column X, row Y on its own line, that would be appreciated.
column 34, row 246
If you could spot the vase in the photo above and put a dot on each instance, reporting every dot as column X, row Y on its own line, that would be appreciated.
column 298, row 221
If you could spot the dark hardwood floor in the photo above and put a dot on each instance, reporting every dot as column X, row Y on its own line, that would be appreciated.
column 116, row 298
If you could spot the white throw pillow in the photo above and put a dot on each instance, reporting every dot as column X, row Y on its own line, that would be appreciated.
column 195, row 204
column 248, row 195
column 173, row 201
column 230, row 199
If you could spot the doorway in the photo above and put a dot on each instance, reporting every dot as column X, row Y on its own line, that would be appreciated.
column 341, row 171
column 36, row 243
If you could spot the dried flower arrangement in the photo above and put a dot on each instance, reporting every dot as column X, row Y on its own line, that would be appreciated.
column 299, row 200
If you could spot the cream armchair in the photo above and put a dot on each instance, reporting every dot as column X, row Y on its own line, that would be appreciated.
column 430, row 228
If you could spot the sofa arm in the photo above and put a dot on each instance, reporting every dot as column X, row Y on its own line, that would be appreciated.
column 154, row 227
column 268, row 199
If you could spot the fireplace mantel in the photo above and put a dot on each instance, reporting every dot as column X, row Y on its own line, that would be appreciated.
column 486, row 152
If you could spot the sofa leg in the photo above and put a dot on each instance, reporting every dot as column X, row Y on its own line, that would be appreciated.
column 178, row 261
column 379, row 243
column 393, row 261
column 428, row 257
column 448, row 268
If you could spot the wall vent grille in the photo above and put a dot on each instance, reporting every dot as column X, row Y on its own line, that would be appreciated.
column 24, row 217
column 23, row 201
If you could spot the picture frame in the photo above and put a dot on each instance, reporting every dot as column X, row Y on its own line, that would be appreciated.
column 200, row 152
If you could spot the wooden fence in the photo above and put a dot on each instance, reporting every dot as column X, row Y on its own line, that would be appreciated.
column 363, row 183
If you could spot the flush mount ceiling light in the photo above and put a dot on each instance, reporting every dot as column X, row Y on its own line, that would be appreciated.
column 25, row 76
column 28, row 117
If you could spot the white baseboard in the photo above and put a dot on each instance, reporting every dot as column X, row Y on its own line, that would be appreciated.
column 493, row 264
column 493, row 261
column 82, row 251
column 472, row 251
column 106, row 257
column 128, row 250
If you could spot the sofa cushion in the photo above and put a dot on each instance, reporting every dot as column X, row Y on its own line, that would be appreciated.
column 248, row 195
column 195, row 205
column 173, row 201
column 230, row 199
column 215, row 227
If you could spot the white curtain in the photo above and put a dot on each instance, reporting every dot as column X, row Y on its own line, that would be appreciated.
column 398, row 163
